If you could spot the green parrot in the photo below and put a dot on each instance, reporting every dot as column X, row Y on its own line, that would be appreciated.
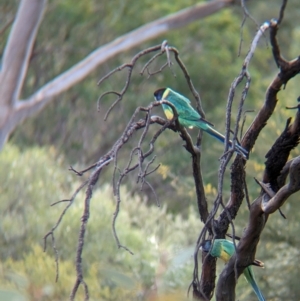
column 224, row 249
column 189, row 117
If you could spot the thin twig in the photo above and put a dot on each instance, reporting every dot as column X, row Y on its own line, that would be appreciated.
column 130, row 67
column 51, row 232
column 80, row 173
column 281, row 12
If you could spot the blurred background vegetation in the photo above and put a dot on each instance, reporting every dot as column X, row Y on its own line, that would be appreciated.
column 34, row 164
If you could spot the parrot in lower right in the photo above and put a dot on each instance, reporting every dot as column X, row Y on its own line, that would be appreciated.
column 224, row 249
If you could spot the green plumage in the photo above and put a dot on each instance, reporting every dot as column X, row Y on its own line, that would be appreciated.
column 189, row 117
column 224, row 249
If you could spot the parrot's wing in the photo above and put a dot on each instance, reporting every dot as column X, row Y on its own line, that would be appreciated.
column 172, row 95
column 221, row 248
column 186, row 112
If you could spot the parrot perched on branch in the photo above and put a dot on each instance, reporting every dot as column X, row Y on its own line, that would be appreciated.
column 189, row 117
column 224, row 249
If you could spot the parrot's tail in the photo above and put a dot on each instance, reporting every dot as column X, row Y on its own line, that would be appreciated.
column 239, row 149
column 250, row 278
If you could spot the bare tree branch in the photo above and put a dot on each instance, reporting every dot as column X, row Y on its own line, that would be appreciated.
column 164, row 48
column 84, row 219
column 271, row 205
column 286, row 73
column 268, row 202
column 249, row 240
column 51, row 232
column 14, row 111
column 218, row 228
column 141, row 165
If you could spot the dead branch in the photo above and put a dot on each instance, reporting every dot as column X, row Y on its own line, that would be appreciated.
column 238, row 166
column 285, row 74
column 131, row 128
column 84, row 219
column 112, row 156
column 249, row 240
column 229, row 211
column 130, row 67
column 270, row 205
column 14, row 111
column 165, row 48
column 93, row 179
column 280, row 151
column 51, row 232
column 268, row 202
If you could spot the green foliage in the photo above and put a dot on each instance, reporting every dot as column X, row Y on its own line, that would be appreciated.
column 30, row 182
column 159, row 240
